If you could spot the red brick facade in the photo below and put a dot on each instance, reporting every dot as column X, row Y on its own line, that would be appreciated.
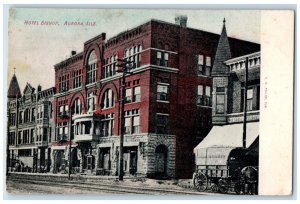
column 188, row 123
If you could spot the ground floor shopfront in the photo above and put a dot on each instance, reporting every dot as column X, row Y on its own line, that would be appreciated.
column 148, row 155
column 30, row 159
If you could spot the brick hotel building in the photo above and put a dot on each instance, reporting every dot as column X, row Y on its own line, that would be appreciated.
column 168, row 108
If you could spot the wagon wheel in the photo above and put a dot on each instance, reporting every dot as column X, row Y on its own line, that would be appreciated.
column 200, row 181
column 214, row 188
column 223, row 186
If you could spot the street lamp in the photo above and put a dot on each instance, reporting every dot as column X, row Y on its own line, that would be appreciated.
column 124, row 68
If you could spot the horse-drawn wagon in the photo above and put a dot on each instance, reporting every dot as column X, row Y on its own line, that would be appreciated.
column 223, row 169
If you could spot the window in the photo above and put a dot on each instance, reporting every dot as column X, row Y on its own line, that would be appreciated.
column 250, row 99
column 162, row 123
column 12, row 119
column 200, row 95
column 207, row 98
column 127, row 125
column 110, row 68
column 207, row 66
column 92, row 68
column 77, row 107
column 33, row 114
column 50, row 110
column 83, row 128
column 40, row 112
column 46, row 110
column 32, row 135
column 132, row 121
column 220, row 100
column 39, row 134
column 162, row 59
column 204, row 99
column 63, row 131
column 162, row 92
column 136, row 124
column 24, row 153
column 107, row 125
column 77, row 78
column 63, row 111
column 133, row 55
column 64, row 83
column 26, row 116
column 50, row 131
column 11, row 138
column 21, row 117
column 91, row 101
column 136, row 94
column 158, row 58
column 45, row 134
column 26, row 137
column 20, row 137
column 108, row 99
column 200, row 64
column 204, row 65
column 166, row 59
column 128, row 95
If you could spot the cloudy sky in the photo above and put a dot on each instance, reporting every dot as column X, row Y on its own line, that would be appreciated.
column 34, row 49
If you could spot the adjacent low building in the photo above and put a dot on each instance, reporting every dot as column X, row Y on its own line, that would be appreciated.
column 30, row 127
column 231, row 127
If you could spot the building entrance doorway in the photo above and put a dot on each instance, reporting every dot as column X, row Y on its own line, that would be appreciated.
column 130, row 160
column 105, row 162
column 90, row 163
column 161, row 160
column 59, row 161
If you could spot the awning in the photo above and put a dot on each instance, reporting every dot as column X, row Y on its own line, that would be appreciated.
column 212, row 156
column 229, row 136
column 217, row 145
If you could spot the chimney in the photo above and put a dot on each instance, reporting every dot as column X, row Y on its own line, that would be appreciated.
column 181, row 20
column 39, row 89
column 73, row 52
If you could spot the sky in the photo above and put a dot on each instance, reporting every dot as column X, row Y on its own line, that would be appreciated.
column 34, row 49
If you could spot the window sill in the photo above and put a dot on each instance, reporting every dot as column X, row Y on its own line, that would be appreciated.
column 203, row 75
column 202, row 106
column 132, row 102
column 107, row 108
column 162, row 101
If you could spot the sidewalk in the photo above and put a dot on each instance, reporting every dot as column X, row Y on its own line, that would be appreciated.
column 182, row 184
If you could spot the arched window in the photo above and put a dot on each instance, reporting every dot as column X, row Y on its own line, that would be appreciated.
column 108, row 99
column 92, row 68
column 133, row 55
column 77, row 107
column 140, row 48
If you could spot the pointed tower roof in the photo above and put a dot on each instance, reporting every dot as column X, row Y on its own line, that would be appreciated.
column 222, row 54
column 14, row 89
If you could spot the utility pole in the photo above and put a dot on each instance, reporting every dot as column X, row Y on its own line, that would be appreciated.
column 70, row 143
column 124, row 69
column 245, row 104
